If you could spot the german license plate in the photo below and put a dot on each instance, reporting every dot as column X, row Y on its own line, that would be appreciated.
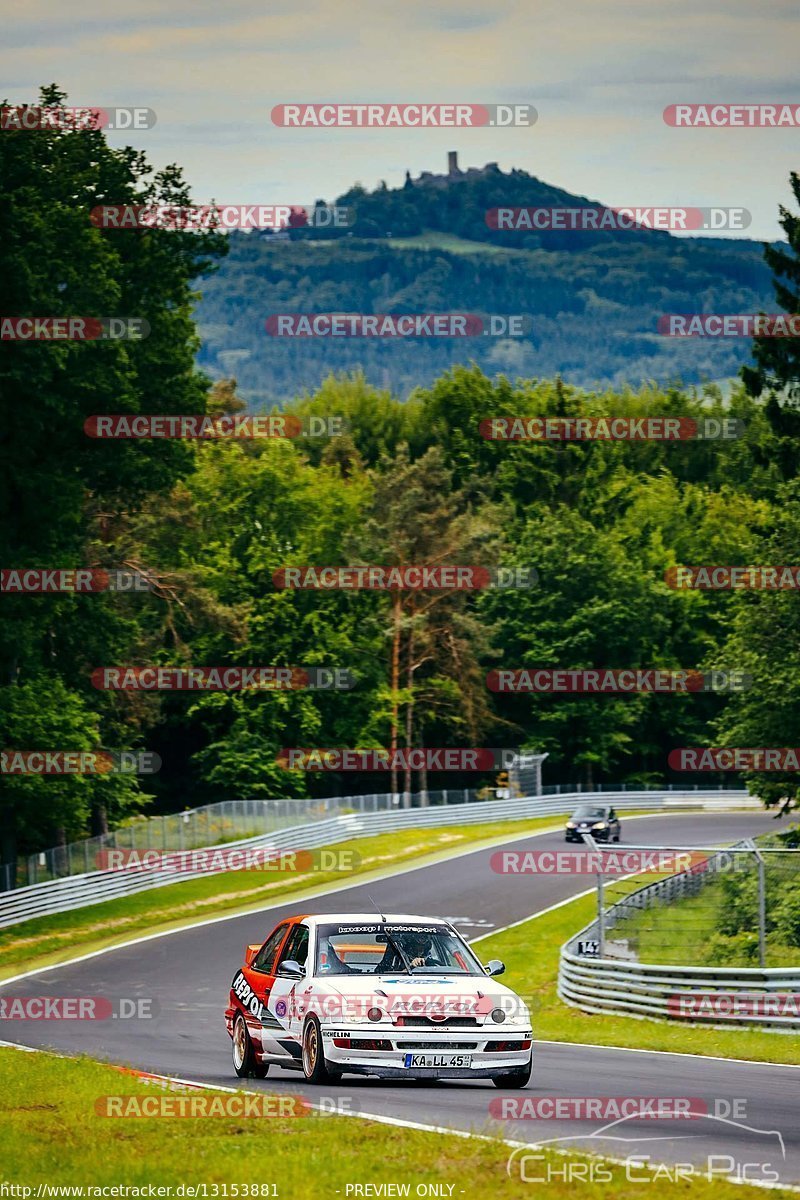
column 438, row 1060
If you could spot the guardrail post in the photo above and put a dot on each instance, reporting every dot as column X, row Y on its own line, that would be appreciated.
column 601, row 918
column 762, row 913
column 762, row 902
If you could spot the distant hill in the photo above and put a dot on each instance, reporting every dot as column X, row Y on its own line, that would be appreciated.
column 594, row 297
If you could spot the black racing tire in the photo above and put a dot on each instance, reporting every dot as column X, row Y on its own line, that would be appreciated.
column 315, row 1068
column 244, row 1056
column 515, row 1079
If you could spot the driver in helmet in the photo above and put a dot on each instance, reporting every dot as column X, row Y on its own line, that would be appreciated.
column 418, row 947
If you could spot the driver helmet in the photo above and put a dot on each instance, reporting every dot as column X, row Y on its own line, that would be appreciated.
column 418, row 944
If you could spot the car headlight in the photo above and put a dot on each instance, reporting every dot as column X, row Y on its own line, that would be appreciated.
column 570, row 824
column 599, row 825
column 512, row 1010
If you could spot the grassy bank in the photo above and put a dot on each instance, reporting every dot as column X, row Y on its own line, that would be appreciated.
column 48, row 1122
column 719, row 925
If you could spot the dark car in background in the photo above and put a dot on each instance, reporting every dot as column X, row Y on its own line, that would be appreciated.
column 599, row 820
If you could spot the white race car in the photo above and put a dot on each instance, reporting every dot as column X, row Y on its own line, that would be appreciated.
column 395, row 996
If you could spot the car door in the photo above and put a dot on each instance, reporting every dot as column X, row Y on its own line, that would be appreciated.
column 254, row 982
column 613, row 821
column 286, row 1003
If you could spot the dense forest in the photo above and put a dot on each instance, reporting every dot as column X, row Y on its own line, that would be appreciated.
column 593, row 298
column 208, row 523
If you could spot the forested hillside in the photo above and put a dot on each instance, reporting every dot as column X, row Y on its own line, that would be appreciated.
column 594, row 298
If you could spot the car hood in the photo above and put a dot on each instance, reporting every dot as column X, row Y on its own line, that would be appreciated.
column 420, row 994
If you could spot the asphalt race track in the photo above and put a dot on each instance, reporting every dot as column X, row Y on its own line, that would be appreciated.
column 188, row 974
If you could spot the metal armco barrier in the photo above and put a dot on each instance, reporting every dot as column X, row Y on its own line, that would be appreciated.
column 713, row 995
column 766, row 997
column 78, row 891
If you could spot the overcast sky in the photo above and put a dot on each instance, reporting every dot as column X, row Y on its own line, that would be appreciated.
column 599, row 72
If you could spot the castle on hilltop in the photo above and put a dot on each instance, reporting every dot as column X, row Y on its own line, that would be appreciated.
column 454, row 173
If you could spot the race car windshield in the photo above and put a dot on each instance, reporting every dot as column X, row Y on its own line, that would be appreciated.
column 384, row 948
column 587, row 812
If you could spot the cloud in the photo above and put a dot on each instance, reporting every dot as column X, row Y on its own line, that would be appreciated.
column 600, row 73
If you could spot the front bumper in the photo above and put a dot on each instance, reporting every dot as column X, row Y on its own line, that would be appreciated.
column 390, row 1063
column 576, row 835
column 386, row 1071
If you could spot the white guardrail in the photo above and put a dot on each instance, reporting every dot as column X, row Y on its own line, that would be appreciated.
column 766, row 997
column 94, row 887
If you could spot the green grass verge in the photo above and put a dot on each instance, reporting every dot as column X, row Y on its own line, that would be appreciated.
column 50, row 1133
column 531, row 954
column 719, row 925
column 46, row 940
column 686, row 932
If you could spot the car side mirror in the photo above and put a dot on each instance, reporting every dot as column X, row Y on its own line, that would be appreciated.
column 494, row 967
column 249, row 954
column 291, row 969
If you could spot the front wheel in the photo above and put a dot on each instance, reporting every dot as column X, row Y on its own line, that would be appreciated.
column 244, row 1056
column 313, row 1056
column 516, row 1079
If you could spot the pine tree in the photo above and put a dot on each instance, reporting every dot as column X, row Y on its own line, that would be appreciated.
column 777, row 369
